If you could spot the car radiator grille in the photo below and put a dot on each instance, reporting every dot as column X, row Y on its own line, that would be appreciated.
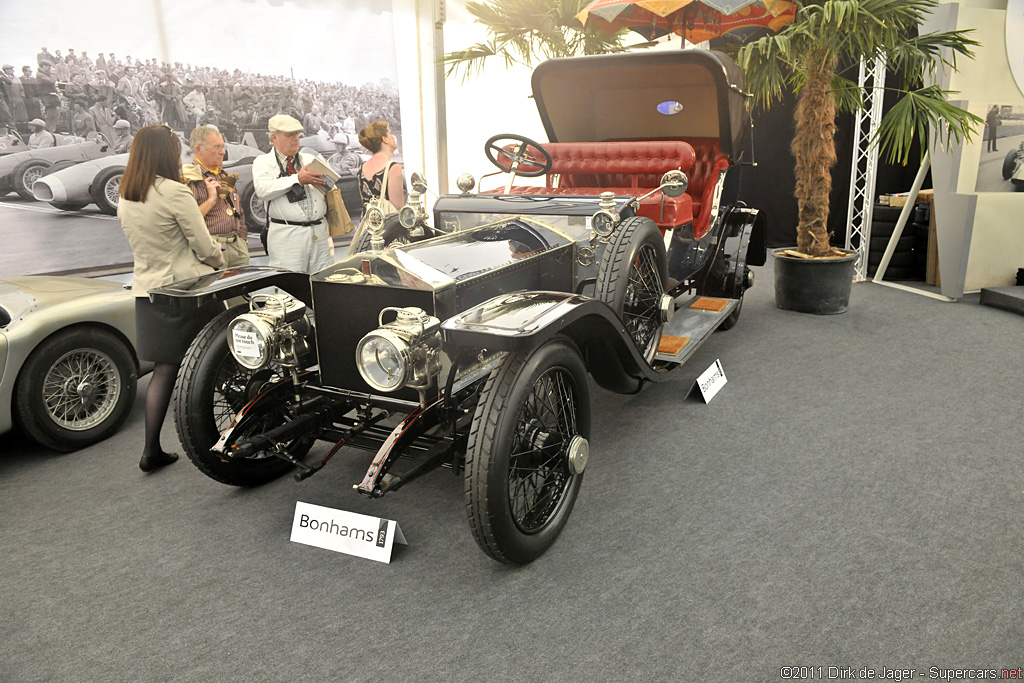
column 344, row 314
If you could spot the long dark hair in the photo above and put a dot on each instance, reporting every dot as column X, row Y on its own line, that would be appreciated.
column 156, row 151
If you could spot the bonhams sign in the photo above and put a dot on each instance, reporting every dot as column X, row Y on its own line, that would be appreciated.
column 345, row 532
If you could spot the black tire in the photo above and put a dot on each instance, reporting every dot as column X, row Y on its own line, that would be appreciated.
column 211, row 387
column 519, row 492
column 899, row 258
column 887, row 214
column 104, row 189
column 25, row 174
column 255, row 209
column 76, row 388
column 895, row 272
column 631, row 279
column 1009, row 164
column 393, row 232
column 883, row 229
column 69, row 206
column 734, row 317
column 904, row 243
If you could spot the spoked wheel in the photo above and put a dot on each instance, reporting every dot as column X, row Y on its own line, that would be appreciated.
column 631, row 279
column 75, row 389
column 528, row 447
column 105, row 189
column 255, row 209
column 211, row 388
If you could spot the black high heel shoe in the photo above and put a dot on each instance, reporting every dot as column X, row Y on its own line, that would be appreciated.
column 148, row 463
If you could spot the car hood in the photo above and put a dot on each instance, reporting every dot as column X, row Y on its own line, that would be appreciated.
column 20, row 297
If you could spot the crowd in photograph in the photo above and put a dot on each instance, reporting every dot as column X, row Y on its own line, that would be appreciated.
column 77, row 94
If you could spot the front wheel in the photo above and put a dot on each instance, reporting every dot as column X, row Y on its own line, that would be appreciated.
column 210, row 389
column 527, row 449
column 631, row 280
column 76, row 388
column 105, row 189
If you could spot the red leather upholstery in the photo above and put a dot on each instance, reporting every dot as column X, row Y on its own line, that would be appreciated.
column 709, row 163
column 627, row 168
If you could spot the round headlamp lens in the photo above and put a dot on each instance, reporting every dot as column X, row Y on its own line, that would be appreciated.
column 248, row 343
column 382, row 362
column 407, row 217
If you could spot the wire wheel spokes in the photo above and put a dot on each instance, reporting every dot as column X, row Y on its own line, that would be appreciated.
column 111, row 190
column 539, row 476
column 81, row 389
column 640, row 311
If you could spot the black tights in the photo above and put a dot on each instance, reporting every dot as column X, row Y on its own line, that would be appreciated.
column 158, row 397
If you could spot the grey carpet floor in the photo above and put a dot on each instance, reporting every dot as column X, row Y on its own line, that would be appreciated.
column 851, row 498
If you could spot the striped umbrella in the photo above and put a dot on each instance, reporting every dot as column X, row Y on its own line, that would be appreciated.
column 696, row 20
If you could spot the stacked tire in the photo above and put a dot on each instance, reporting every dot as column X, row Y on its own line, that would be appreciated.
column 910, row 247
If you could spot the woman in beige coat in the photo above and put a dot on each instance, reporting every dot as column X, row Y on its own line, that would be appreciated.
column 170, row 242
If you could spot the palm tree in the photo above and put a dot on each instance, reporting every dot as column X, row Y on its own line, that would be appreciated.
column 804, row 58
column 522, row 31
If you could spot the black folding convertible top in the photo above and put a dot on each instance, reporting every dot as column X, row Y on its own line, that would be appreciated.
column 616, row 97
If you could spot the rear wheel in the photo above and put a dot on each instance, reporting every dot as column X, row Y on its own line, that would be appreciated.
column 211, row 388
column 105, row 188
column 255, row 209
column 631, row 279
column 27, row 173
column 527, row 451
column 76, row 388
column 1009, row 164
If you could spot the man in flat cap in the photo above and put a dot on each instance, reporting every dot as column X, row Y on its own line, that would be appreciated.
column 122, row 137
column 40, row 136
column 298, row 236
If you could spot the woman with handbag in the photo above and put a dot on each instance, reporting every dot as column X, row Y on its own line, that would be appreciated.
column 379, row 177
column 170, row 242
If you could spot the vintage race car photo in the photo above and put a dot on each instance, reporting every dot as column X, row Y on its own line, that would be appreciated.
column 466, row 338
column 67, row 358
column 14, row 142
column 1013, row 168
column 20, row 170
column 98, row 182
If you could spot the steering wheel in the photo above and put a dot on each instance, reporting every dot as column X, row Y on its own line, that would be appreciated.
column 518, row 154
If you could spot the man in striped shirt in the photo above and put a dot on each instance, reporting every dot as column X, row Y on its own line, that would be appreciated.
column 221, row 207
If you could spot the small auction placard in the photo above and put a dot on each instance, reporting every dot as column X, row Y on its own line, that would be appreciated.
column 368, row 537
column 711, row 381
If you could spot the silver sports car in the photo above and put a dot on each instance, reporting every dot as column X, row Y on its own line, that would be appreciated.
column 68, row 368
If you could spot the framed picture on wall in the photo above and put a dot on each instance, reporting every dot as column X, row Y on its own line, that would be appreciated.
column 1001, row 161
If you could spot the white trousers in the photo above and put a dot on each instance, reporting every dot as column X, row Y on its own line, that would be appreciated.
column 302, row 248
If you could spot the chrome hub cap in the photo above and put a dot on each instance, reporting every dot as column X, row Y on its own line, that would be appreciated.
column 578, row 453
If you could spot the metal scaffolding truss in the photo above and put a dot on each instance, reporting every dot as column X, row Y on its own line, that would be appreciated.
column 865, row 162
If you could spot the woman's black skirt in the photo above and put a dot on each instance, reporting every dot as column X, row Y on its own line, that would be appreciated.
column 163, row 333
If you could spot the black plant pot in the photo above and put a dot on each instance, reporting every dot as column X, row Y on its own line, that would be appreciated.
column 818, row 286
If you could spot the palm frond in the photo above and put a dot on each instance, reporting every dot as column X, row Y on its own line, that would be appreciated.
column 915, row 114
column 525, row 31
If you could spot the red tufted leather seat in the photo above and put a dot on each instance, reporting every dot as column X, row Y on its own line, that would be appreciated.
column 709, row 162
column 627, row 168
column 635, row 167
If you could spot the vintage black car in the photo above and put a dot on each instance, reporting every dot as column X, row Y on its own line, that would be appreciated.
column 465, row 341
